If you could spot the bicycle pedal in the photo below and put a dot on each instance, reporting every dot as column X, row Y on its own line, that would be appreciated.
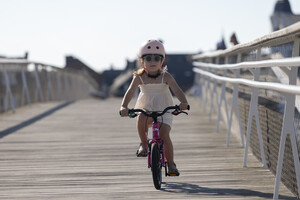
column 173, row 174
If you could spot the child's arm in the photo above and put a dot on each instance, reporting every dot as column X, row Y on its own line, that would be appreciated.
column 177, row 91
column 128, row 95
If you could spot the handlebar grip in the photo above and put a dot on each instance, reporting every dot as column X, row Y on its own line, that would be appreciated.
column 131, row 113
column 188, row 107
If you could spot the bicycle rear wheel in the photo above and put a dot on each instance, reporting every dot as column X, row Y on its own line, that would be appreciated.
column 156, row 165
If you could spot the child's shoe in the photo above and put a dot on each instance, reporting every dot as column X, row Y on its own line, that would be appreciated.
column 172, row 170
column 142, row 151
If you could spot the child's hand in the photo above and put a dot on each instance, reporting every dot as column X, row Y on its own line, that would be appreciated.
column 124, row 111
column 183, row 106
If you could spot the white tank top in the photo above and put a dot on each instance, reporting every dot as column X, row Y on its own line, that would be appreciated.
column 154, row 96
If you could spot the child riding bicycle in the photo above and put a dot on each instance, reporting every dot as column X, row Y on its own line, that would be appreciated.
column 154, row 82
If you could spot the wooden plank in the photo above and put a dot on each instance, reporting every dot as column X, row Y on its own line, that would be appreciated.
column 86, row 151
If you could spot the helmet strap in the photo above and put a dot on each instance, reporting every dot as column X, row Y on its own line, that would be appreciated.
column 151, row 76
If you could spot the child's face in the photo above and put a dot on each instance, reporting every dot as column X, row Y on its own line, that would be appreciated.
column 152, row 63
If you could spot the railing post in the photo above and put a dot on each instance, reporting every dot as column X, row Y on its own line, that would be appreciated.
column 201, row 82
column 235, row 104
column 214, row 91
column 8, row 94
column 38, row 91
column 25, row 90
column 198, row 87
column 288, row 127
column 223, row 98
column 73, row 82
column 207, row 89
column 253, row 111
column 50, row 94
column 67, row 87
column 59, row 88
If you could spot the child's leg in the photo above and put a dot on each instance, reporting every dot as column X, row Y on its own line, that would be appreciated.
column 169, row 152
column 164, row 132
column 143, row 127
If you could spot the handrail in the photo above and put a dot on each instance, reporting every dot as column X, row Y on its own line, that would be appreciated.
column 206, row 75
column 28, row 62
column 27, row 81
column 285, row 62
column 13, row 61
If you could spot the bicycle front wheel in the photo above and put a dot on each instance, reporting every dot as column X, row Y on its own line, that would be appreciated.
column 156, row 165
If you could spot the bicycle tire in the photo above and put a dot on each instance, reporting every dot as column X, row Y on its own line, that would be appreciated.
column 156, row 166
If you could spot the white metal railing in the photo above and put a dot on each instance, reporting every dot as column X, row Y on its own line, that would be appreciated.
column 207, row 73
column 25, row 82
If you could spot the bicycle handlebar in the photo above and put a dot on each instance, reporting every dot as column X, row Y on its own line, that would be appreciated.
column 177, row 111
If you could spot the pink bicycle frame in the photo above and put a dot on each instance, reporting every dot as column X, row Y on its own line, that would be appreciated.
column 155, row 139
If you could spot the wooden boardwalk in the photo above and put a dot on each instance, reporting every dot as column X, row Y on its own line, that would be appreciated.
column 84, row 150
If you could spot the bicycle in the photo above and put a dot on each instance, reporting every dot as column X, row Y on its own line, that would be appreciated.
column 156, row 154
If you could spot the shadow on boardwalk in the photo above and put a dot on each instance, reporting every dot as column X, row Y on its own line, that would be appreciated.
column 177, row 187
column 32, row 120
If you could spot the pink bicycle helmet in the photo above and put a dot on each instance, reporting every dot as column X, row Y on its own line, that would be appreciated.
column 152, row 47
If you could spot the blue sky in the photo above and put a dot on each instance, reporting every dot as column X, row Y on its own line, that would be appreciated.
column 104, row 33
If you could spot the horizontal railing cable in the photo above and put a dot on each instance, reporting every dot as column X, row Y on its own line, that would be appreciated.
column 291, row 89
column 284, row 62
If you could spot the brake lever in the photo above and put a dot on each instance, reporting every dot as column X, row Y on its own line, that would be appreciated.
column 184, row 112
column 177, row 112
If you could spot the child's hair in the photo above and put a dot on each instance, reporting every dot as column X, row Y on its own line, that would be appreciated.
column 139, row 72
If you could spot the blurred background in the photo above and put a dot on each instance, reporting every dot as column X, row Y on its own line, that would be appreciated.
column 103, row 37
